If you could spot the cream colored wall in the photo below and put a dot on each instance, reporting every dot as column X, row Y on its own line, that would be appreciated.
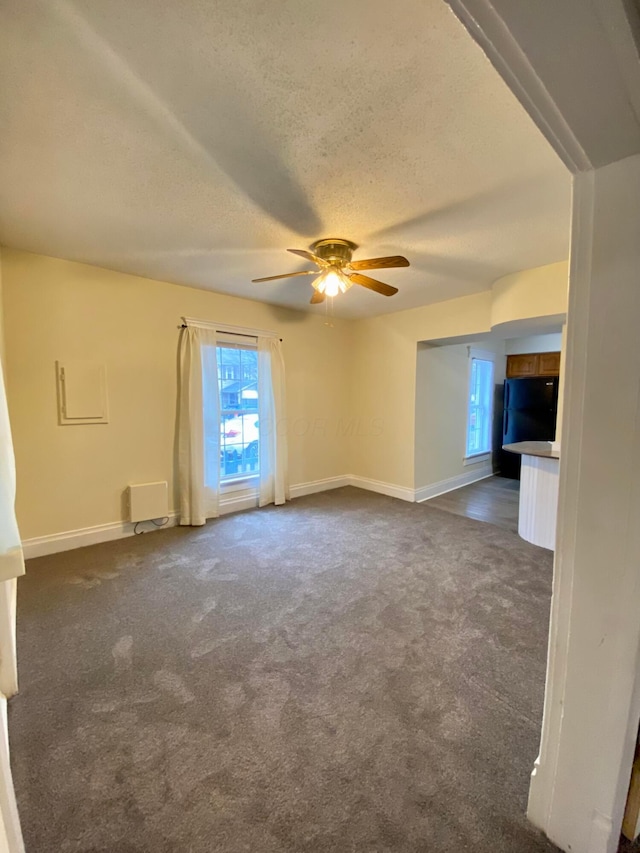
column 383, row 398
column 351, row 388
column 534, row 293
column 71, row 477
column 442, row 380
column 383, row 382
column 442, row 387
column 384, row 364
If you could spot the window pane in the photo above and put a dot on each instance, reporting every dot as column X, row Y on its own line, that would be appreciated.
column 209, row 388
column 480, row 406
column 239, row 433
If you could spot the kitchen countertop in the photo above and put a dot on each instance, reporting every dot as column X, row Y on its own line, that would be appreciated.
column 533, row 448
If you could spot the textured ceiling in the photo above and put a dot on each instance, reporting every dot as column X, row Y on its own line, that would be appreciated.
column 195, row 141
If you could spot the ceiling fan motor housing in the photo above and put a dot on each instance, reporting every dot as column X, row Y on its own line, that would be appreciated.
column 334, row 250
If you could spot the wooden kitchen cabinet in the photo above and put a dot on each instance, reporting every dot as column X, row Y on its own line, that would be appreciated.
column 522, row 365
column 549, row 364
column 533, row 364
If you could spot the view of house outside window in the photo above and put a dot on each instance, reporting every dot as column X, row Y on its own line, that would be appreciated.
column 480, row 407
column 239, row 430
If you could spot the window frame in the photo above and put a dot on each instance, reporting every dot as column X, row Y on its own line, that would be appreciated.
column 244, row 480
column 476, row 354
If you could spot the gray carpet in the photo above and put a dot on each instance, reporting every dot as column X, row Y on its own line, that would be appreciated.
column 347, row 673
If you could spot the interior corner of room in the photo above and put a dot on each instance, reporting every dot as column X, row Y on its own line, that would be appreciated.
column 316, row 519
column 379, row 403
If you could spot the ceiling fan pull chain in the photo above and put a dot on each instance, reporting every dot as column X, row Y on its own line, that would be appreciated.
column 329, row 312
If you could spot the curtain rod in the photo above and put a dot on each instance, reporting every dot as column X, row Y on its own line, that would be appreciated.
column 238, row 334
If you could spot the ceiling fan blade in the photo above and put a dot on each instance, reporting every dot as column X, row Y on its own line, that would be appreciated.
column 286, row 275
column 317, row 297
column 372, row 284
column 379, row 263
column 309, row 256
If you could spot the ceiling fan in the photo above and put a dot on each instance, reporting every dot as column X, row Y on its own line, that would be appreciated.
column 337, row 272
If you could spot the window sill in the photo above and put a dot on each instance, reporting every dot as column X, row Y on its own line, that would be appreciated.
column 476, row 458
column 239, row 484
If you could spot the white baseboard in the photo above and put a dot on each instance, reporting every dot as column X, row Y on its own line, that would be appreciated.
column 425, row 493
column 314, row 486
column 401, row 492
column 40, row 546
column 229, row 504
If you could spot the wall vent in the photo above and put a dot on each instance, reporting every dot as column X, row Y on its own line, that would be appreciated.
column 148, row 500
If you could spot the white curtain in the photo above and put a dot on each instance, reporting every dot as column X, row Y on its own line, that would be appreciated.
column 11, row 566
column 8, row 651
column 11, row 559
column 198, row 426
column 274, row 480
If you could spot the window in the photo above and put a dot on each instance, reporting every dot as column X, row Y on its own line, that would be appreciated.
column 239, row 428
column 480, row 404
column 231, row 418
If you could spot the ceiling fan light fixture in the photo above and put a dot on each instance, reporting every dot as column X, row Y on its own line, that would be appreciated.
column 335, row 271
column 332, row 282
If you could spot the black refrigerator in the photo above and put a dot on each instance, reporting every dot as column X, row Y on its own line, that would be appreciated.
column 529, row 414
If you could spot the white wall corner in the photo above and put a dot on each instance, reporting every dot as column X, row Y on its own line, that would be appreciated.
column 486, row 26
column 538, row 804
column 601, row 833
column 543, row 777
column 481, row 472
column 11, row 840
column 401, row 492
column 315, row 486
column 592, row 700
